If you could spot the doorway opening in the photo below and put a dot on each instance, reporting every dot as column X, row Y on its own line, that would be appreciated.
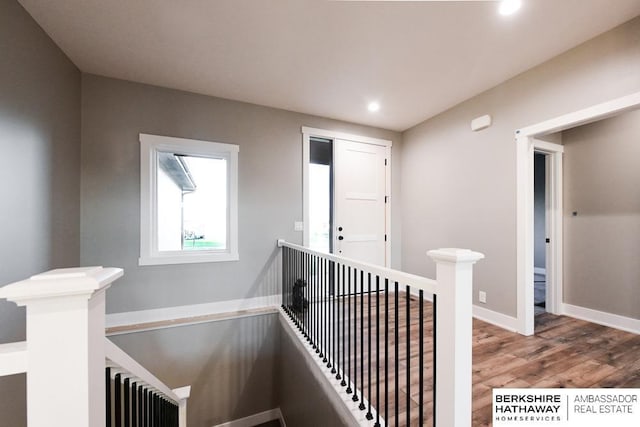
column 540, row 238
column 526, row 145
column 346, row 200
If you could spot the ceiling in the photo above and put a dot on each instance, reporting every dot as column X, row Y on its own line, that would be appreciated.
column 327, row 58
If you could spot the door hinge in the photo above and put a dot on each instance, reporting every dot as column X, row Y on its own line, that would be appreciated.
column 385, row 237
column 385, row 162
column 386, row 199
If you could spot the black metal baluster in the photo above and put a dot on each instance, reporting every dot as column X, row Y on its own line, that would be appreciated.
column 150, row 408
column 319, row 307
column 286, row 277
column 283, row 254
column 107, row 380
column 396, row 348
column 355, row 335
column 312, row 305
column 386, row 350
column 362, row 406
column 435, row 340
column 377, row 424
column 309, row 309
column 156, row 410
column 316, row 302
column 369, row 414
column 349, row 391
column 117, row 386
column 134, row 404
column 336, row 362
column 127, row 406
column 310, row 312
column 301, row 294
column 343, row 324
column 408, row 344
column 333, row 317
column 325, row 312
column 296, row 295
column 305, row 313
column 421, row 358
column 141, row 406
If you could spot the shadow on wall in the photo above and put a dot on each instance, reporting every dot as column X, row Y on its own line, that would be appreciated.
column 231, row 365
column 268, row 281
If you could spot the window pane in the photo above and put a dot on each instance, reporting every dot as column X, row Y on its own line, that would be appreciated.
column 192, row 203
column 319, row 207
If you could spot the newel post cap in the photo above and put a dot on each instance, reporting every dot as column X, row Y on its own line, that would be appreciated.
column 455, row 255
column 61, row 282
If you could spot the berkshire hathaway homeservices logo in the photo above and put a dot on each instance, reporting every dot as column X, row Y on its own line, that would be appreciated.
column 566, row 407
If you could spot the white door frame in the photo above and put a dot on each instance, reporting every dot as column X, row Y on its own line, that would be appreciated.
column 553, row 222
column 526, row 144
column 307, row 134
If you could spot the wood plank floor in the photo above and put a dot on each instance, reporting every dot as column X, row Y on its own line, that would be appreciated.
column 564, row 352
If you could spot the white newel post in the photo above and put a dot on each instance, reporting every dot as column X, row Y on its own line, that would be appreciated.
column 65, row 344
column 454, row 334
column 183, row 393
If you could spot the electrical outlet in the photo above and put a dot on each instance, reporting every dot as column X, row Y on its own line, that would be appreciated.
column 482, row 297
column 298, row 226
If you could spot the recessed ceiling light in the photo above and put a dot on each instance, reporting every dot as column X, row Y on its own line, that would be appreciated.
column 509, row 7
column 373, row 107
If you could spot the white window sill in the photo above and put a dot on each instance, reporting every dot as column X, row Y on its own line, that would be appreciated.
column 188, row 258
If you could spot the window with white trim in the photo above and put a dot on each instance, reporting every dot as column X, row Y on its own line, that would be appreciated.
column 188, row 201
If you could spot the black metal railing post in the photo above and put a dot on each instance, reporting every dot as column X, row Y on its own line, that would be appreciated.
column 348, row 296
column 396, row 376
column 362, row 406
column 127, row 404
column 117, row 387
column 377, row 424
column 369, row 414
column 408, row 350
column 107, row 380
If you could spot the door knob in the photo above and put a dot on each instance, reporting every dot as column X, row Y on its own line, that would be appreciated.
column 339, row 228
column 340, row 238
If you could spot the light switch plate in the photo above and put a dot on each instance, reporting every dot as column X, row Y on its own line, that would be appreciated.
column 298, row 226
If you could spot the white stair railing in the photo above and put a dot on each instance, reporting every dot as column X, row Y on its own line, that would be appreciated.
column 317, row 287
column 66, row 349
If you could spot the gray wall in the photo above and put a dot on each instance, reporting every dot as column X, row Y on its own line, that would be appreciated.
column 459, row 187
column 306, row 399
column 602, row 243
column 232, row 366
column 539, row 230
column 114, row 112
column 40, row 174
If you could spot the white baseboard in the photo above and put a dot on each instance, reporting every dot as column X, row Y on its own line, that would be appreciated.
column 502, row 320
column 602, row 318
column 540, row 270
column 115, row 320
column 256, row 419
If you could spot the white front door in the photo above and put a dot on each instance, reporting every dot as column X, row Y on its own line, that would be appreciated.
column 360, row 181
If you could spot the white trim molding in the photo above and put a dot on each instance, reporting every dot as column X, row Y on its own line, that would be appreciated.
column 150, row 148
column 503, row 321
column 256, row 419
column 13, row 358
column 159, row 318
column 329, row 134
column 623, row 323
column 526, row 144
